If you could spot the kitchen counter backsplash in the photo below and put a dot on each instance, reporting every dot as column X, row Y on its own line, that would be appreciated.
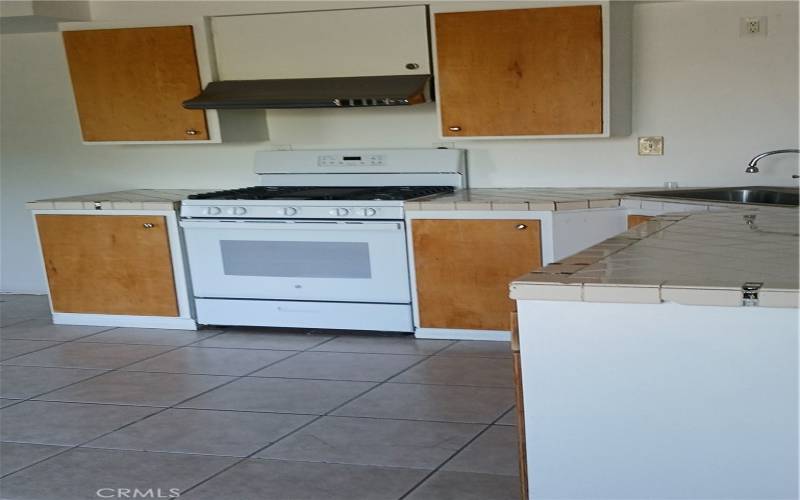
column 698, row 259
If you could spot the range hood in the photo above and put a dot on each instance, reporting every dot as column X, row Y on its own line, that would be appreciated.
column 358, row 91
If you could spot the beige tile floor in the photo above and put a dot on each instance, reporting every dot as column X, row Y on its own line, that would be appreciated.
column 250, row 414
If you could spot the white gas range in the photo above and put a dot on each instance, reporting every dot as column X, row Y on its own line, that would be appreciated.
column 321, row 243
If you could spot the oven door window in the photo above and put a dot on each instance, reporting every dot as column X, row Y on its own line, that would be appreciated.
column 308, row 260
column 296, row 259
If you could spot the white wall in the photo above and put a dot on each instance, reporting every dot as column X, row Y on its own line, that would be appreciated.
column 717, row 98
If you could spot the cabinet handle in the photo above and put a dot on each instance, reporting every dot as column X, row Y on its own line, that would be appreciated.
column 148, row 225
column 412, row 66
column 191, row 131
column 454, row 129
column 522, row 227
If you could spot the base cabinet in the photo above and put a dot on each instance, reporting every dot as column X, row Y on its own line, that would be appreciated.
column 463, row 268
column 116, row 264
column 635, row 220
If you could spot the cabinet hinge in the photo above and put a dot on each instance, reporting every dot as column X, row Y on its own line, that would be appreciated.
column 98, row 205
column 750, row 293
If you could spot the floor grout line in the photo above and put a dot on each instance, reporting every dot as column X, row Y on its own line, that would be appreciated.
column 453, row 455
column 234, row 378
column 78, row 382
column 54, row 343
column 328, row 413
column 163, row 409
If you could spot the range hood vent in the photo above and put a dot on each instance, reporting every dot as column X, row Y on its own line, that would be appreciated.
column 359, row 91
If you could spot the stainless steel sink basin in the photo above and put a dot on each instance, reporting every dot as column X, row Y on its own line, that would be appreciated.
column 750, row 195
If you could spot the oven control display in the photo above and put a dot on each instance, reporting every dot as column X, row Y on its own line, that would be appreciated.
column 351, row 160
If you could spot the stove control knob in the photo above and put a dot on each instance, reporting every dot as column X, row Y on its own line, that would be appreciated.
column 370, row 212
column 289, row 211
column 239, row 210
column 213, row 211
column 341, row 212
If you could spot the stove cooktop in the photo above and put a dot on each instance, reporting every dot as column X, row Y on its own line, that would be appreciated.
column 349, row 193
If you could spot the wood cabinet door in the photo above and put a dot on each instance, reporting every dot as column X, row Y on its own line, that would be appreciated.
column 463, row 269
column 521, row 72
column 108, row 264
column 635, row 220
column 130, row 83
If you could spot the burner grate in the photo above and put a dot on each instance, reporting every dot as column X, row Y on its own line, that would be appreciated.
column 355, row 193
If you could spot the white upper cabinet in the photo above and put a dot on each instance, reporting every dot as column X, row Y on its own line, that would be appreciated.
column 334, row 43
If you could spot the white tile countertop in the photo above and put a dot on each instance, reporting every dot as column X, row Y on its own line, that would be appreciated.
column 465, row 199
column 134, row 199
column 533, row 199
column 543, row 199
column 699, row 259
column 558, row 199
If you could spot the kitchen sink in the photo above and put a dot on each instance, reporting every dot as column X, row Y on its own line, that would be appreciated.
column 750, row 195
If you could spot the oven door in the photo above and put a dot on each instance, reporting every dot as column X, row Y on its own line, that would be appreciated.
column 348, row 261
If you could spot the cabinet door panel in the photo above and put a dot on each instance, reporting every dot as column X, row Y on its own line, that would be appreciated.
column 108, row 264
column 329, row 43
column 635, row 220
column 463, row 268
column 129, row 83
column 521, row 72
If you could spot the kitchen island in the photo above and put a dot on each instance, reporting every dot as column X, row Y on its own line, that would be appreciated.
column 663, row 362
column 474, row 241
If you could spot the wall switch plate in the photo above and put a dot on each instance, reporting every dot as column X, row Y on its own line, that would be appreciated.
column 753, row 26
column 651, row 145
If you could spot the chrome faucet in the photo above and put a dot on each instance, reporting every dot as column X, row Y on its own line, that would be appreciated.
column 753, row 169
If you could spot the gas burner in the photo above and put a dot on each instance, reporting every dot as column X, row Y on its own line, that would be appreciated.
column 338, row 193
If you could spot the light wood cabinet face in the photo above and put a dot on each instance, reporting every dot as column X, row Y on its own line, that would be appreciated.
column 108, row 264
column 635, row 220
column 463, row 268
column 521, row 72
column 130, row 83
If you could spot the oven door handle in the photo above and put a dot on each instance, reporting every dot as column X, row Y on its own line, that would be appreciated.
column 292, row 225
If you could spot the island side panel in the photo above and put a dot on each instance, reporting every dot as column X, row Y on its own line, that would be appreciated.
column 659, row 400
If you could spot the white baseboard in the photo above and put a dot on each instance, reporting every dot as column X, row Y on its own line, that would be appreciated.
column 167, row 323
column 453, row 334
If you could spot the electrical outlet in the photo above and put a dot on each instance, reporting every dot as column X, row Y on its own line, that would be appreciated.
column 753, row 26
column 651, row 145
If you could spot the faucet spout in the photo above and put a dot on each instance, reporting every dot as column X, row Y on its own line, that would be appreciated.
column 753, row 169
